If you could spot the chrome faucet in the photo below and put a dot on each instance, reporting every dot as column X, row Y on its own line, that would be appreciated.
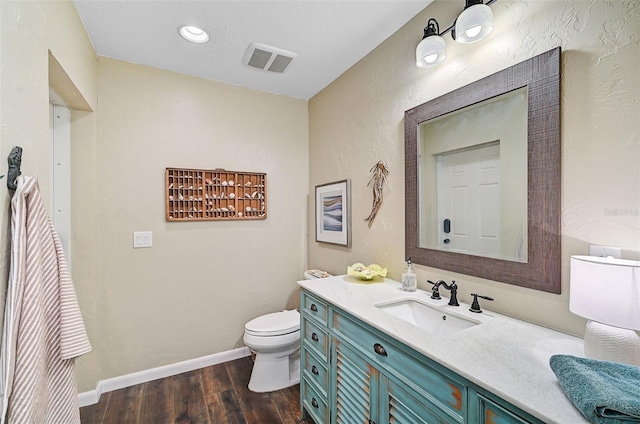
column 453, row 288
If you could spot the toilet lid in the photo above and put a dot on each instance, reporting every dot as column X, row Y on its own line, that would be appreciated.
column 274, row 324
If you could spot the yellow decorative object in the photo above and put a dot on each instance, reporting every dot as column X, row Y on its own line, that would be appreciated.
column 366, row 272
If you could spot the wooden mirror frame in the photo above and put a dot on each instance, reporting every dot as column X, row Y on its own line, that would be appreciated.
column 541, row 76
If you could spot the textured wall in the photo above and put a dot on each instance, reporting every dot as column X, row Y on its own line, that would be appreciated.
column 30, row 32
column 191, row 293
column 358, row 120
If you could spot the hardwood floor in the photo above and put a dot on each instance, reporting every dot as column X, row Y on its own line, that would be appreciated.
column 212, row 395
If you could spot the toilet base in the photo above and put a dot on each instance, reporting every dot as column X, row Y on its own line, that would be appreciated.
column 275, row 371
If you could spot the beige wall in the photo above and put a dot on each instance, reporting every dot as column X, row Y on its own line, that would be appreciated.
column 358, row 120
column 36, row 36
column 191, row 293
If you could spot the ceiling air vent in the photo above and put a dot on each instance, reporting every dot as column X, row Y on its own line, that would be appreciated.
column 267, row 58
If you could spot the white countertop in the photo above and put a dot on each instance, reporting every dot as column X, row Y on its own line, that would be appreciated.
column 505, row 356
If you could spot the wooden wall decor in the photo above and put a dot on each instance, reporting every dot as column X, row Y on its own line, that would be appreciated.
column 208, row 195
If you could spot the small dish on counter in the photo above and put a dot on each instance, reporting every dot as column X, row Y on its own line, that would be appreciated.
column 366, row 273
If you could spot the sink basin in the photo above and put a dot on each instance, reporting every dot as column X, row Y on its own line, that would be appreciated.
column 430, row 318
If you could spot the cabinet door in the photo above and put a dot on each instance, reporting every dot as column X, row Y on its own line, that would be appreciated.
column 356, row 383
column 491, row 412
column 446, row 393
column 403, row 405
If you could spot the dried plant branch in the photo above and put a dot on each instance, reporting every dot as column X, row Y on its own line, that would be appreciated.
column 379, row 179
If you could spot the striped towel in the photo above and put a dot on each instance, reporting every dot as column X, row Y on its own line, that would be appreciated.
column 43, row 328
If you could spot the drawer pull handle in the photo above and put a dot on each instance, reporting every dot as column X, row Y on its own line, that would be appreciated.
column 314, row 370
column 314, row 402
column 314, row 337
column 379, row 349
column 314, row 308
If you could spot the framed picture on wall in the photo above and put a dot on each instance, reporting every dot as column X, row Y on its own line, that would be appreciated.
column 333, row 213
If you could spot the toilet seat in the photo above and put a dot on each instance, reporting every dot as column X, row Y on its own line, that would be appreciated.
column 275, row 324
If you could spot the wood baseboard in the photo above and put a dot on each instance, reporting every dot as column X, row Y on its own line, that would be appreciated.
column 93, row 396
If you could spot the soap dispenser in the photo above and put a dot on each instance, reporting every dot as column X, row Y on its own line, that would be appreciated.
column 409, row 279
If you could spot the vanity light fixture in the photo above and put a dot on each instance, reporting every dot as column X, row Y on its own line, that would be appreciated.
column 473, row 24
column 607, row 292
column 431, row 50
column 194, row 34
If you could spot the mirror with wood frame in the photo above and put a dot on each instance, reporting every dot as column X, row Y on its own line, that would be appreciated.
column 529, row 253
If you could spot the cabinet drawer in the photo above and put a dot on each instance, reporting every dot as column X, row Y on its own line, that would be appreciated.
column 316, row 370
column 314, row 403
column 493, row 413
column 313, row 307
column 443, row 392
column 316, row 338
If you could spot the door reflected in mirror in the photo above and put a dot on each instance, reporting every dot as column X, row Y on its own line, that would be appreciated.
column 473, row 179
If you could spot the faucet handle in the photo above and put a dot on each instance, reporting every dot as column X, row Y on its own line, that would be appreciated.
column 453, row 300
column 435, row 293
column 475, row 306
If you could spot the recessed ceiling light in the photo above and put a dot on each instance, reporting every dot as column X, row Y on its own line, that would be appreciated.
column 194, row 34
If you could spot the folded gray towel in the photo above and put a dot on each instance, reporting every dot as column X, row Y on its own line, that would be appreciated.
column 604, row 392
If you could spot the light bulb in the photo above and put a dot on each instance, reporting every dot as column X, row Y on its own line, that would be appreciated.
column 473, row 31
column 431, row 58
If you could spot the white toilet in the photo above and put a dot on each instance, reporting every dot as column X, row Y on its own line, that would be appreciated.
column 275, row 339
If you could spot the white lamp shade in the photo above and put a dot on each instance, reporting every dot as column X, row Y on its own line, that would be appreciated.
column 606, row 290
column 430, row 51
column 474, row 24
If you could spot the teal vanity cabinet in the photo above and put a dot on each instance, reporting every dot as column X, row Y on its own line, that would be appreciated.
column 352, row 373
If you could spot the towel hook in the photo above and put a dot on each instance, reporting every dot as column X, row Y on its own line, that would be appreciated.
column 15, row 160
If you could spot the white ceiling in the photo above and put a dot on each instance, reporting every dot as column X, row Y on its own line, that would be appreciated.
column 328, row 36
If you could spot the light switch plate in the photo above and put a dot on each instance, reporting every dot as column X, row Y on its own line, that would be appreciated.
column 604, row 251
column 142, row 239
